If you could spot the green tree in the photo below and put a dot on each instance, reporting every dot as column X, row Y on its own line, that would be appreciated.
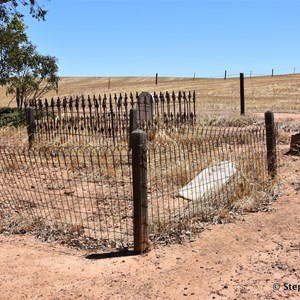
column 34, row 74
column 9, row 8
column 12, row 30
column 12, row 39
column 25, row 72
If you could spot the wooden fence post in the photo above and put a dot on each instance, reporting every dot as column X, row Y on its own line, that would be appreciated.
column 133, row 124
column 271, row 143
column 18, row 98
column 225, row 76
column 31, row 125
column 139, row 184
column 242, row 93
column 156, row 78
column 272, row 72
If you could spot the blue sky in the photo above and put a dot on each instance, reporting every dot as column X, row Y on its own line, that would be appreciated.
column 169, row 37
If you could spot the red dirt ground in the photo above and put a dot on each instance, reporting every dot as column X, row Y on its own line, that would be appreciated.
column 239, row 260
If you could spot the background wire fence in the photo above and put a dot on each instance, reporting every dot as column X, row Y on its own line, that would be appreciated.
column 83, row 195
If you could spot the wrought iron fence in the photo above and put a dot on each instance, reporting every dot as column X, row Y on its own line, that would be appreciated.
column 104, row 118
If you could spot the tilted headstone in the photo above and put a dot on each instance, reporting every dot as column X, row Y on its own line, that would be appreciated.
column 209, row 180
column 145, row 107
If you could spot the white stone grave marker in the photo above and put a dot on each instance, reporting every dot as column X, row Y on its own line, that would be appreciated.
column 209, row 180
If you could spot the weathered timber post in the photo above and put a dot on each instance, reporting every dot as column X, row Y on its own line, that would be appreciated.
column 225, row 76
column 271, row 143
column 156, row 78
column 242, row 93
column 272, row 72
column 133, row 124
column 18, row 98
column 30, row 126
column 139, row 184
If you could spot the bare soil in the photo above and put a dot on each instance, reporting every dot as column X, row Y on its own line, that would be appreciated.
column 239, row 260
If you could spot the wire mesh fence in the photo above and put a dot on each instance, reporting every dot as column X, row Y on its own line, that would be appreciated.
column 83, row 195
column 80, row 194
column 198, row 177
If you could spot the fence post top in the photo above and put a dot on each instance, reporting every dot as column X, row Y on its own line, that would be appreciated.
column 268, row 112
column 269, row 116
column 138, row 131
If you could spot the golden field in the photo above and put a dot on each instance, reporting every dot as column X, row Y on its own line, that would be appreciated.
column 218, row 96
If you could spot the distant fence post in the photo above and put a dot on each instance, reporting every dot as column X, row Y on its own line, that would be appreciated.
column 139, row 185
column 272, row 72
column 225, row 76
column 156, row 78
column 271, row 143
column 31, row 125
column 133, row 124
column 242, row 93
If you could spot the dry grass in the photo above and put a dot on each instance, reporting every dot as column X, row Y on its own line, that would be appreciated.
column 11, row 136
column 66, row 234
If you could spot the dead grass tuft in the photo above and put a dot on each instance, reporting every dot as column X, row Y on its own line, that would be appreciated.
column 64, row 234
column 228, row 121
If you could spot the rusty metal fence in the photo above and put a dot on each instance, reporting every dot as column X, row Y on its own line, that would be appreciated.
column 86, row 196
column 194, row 179
column 80, row 194
column 107, row 118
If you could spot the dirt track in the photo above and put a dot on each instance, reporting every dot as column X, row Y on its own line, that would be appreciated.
column 240, row 260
